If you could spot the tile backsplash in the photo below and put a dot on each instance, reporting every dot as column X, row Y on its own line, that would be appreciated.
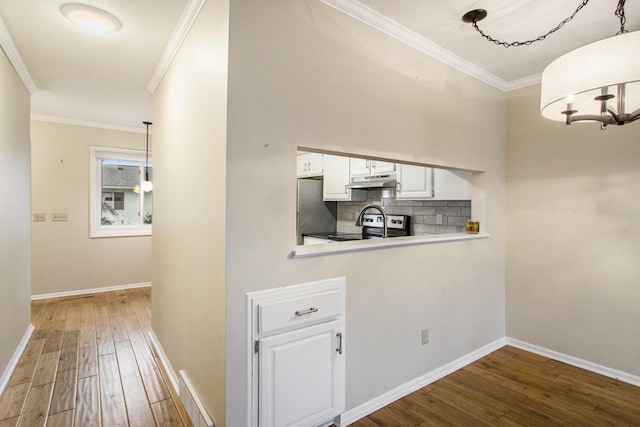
column 424, row 214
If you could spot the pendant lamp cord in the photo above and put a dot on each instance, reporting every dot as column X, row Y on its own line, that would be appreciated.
column 551, row 31
column 146, row 159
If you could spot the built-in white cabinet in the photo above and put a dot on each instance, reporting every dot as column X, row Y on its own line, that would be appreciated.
column 421, row 183
column 337, row 175
column 309, row 164
column 360, row 167
column 414, row 182
column 297, row 353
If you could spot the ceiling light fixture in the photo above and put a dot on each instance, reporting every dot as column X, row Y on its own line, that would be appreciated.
column 588, row 80
column 147, row 185
column 90, row 18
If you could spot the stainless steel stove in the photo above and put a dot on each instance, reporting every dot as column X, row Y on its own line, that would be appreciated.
column 397, row 225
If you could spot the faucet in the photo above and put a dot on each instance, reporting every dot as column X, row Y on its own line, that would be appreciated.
column 384, row 217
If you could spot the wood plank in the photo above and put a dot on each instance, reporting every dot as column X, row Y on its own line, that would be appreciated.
column 61, row 419
column 138, row 407
column 112, row 403
column 12, row 422
column 69, row 351
column 87, row 412
column 52, row 341
column 104, row 338
column 36, row 406
column 27, row 363
column 12, row 400
column 47, row 368
column 64, row 392
column 87, row 362
column 118, row 330
column 166, row 414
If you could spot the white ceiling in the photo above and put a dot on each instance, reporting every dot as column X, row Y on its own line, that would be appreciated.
column 103, row 79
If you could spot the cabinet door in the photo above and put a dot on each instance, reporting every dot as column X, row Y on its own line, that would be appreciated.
column 378, row 167
column 309, row 164
column 336, row 177
column 301, row 377
column 452, row 185
column 414, row 182
column 360, row 167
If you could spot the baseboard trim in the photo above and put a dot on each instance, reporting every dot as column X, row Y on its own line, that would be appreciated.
column 575, row 361
column 90, row 291
column 164, row 361
column 353, row 415
column 13, row 362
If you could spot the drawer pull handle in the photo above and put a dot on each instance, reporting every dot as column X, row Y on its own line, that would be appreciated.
column 339, row 336
column 306, row 311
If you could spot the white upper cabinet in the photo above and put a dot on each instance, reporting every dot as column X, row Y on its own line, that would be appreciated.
column 336, row 177
column 424, row 183
column 309, row 164
column 360, row 167
column 414, row 182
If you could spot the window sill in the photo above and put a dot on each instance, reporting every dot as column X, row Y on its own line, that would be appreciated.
column 305, row 251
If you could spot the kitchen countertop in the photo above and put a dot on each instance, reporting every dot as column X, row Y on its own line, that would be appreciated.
column 366, row 245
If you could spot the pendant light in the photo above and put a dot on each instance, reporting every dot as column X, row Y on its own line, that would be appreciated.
column 147, row 185
column 599, row 82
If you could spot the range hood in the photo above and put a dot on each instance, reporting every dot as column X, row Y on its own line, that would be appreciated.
column 387, row 180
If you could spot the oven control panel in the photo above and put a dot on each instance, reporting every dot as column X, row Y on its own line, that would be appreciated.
column 377, row 220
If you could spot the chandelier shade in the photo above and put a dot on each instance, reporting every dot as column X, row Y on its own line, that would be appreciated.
column 597, row 82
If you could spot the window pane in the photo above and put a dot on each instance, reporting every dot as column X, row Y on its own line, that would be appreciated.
column 120, row 203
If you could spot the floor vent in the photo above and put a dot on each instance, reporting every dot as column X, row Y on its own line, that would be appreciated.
column 192, row 403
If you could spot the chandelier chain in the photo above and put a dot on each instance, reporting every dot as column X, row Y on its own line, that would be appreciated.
column 551, row 31
column 620, row 14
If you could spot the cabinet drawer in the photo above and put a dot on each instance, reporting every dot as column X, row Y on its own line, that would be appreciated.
column 298, row 311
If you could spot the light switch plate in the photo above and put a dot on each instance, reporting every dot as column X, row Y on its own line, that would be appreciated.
column 60, row 217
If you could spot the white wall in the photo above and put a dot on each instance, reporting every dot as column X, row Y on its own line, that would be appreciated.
column 303, row 74
column 15, row 258
column 190, row 207
column 573, row 246
column 64, row 257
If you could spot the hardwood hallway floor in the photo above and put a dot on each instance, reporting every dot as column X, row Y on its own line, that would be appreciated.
column 89, row 363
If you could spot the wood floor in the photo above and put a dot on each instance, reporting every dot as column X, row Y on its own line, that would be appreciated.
column 512, row 387
column 89, row 363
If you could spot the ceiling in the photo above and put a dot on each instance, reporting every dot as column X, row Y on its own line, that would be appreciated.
column 103, row 80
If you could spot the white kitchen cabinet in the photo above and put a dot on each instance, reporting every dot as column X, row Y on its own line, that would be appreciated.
column 297, row 352
column 361, row 167
column 309, row 164
column 414, row 182
column 336, row 177
column 425, row 183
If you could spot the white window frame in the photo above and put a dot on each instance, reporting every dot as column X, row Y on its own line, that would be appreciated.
column 96, row 229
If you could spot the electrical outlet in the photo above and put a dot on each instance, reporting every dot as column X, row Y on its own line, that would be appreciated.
column 39, row 217
column 425, row 336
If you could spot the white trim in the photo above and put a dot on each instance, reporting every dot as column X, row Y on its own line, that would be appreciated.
column 370, row 17
column 86, row 123
column 187, row 19
column 361, row 411
column 576, row 361
column 90, row 291
column 10, row 49
column 164, row 360
column 13, row 362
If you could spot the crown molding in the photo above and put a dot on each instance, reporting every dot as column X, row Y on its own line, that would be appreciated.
column 381, row 23
column 86, row 123
column 187, row 19
column 10, row 49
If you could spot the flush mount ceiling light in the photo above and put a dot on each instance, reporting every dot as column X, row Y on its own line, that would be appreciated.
column 90, row 18
column 598, row 82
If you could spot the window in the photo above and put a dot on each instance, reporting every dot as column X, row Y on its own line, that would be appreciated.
column 118, row 206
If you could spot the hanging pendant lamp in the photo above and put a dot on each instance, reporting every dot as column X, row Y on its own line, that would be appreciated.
column 147, row 185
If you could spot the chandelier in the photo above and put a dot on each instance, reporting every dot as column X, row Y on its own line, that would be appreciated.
column 598, row 82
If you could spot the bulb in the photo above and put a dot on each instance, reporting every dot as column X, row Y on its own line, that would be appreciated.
column 570, row 98
column 146, row 186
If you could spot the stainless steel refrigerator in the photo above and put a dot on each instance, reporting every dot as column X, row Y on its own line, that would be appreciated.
column 314, row 215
